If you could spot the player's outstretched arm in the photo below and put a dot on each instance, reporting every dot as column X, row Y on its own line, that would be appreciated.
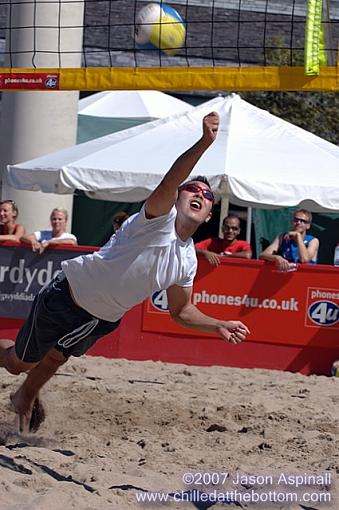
column 186, row 314
column 164, row 196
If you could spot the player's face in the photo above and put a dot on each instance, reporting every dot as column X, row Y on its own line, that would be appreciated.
column 195, row 201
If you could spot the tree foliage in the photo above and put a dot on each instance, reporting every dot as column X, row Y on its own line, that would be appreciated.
column 317, row 112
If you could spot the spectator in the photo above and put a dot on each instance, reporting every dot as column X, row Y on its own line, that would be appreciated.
column 42, row 239
column 118, row 220
column 214, row 248
column 294, row 246
column 9, row 229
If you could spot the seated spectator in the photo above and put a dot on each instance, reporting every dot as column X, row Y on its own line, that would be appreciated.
column 295, row 246
column 42, row 239
column 118, row 220
column 214, row 248
column 9, row 229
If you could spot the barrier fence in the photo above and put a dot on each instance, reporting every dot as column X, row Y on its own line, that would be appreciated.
column 293, row 317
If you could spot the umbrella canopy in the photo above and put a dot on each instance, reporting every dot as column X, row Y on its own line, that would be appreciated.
column 132, row 104
column 257, row 160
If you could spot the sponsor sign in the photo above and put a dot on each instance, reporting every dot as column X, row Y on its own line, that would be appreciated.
column 23, row 273
column 29, row 81
column 299, row 308
column 322, row 308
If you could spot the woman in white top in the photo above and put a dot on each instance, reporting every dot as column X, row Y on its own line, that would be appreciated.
column 42, row 239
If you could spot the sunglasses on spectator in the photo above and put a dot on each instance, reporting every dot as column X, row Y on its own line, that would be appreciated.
column 299, row 220
column 195, row 188
column 230, row 227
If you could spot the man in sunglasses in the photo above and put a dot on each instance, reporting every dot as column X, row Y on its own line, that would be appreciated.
column 213, row 249
column 153, row 250
column 295, row 246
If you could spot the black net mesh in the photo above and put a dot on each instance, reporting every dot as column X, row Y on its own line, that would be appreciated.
column 218, row 33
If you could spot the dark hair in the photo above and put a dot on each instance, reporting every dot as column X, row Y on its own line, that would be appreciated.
column 120, row 217
column 200, row 178
column 231, row 217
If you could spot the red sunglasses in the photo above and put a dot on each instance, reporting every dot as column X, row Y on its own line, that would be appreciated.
column 195, row 188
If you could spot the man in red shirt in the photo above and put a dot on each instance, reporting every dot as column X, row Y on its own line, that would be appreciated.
column 214, row 248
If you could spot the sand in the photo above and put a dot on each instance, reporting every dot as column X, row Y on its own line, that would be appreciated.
column 116, row 429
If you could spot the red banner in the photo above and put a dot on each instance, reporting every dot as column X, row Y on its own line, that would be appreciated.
column 296, row 308
column 29, row 81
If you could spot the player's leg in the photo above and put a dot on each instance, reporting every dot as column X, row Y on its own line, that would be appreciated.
column 49, row 320
column 56, row 329
column 26, row 399
column 9, row 359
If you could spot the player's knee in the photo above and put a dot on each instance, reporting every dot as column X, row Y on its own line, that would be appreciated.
column 16, row 368
column 14, row 365
column 55, row 358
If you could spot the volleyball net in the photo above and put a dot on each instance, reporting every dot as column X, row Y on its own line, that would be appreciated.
column 228, row 45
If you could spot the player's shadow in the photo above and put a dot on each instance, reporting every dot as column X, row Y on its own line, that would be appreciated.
column 267, row 277
column 309, row 356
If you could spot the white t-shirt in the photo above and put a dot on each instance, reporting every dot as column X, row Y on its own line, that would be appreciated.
column 46, row 235
column 144, row 256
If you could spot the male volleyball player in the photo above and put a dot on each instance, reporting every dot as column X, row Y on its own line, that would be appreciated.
column 153, row 250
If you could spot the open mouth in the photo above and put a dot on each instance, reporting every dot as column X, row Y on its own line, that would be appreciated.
column 196, row 205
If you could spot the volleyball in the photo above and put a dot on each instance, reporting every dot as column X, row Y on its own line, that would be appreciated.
column 159, row 26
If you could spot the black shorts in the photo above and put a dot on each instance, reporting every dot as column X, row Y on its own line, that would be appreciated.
column 56, row 321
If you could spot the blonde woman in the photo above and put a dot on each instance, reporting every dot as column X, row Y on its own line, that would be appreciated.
column 42, row 239
column 10, row 230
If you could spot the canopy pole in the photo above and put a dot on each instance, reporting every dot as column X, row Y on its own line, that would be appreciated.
column 249, row 224
column 225, row 203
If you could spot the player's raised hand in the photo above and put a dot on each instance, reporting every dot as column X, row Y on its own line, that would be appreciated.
column 210, row 126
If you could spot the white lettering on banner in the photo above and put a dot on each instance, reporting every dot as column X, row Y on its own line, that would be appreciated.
column 323, row 294
column 159, row 301
column 324, row 313
column 290, row 304
column 16, row 297
column 3, row 270
column 322, row 308
column 21, row 274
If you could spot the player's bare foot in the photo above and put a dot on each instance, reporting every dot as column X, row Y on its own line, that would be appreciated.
column 23, row 411
column 30, row 412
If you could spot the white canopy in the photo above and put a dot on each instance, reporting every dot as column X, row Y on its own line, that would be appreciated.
column 257, row 160
column 132, row 104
